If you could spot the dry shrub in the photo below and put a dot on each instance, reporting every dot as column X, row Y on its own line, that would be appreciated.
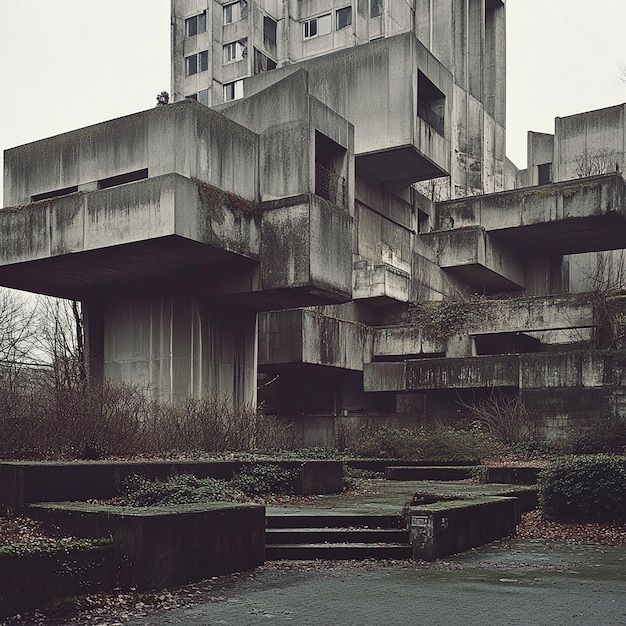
column 118, row 420
column 504, row 416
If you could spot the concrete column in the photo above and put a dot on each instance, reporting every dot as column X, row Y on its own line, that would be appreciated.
column 177, row 345
column 93, row 325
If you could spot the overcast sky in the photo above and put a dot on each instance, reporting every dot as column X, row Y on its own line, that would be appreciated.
column 65, row 64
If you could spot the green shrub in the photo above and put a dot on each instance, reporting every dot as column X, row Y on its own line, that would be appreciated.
column 260, row 479
column 180, row 489
column 584, row 488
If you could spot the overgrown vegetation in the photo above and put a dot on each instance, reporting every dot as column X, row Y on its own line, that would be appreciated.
column 504, row 416
column 108, row 420
column 437, row 443
column 251, row 481
column 584, row 488
column 446, row 318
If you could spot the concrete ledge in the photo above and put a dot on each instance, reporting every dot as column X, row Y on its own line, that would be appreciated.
column 164, row 546
column 428, row 473
column 23, row 483
column 380, row 465
column 445, row 528
column 513, row 475
column 28, row 581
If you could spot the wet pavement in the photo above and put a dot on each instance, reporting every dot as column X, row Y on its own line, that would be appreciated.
column 507, row 583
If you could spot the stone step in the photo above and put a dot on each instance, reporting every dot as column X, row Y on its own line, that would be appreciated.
column 333, row 520
column 337, row 551
column 274, row 536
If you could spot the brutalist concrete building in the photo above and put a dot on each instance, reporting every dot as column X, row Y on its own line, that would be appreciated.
column 339, row 236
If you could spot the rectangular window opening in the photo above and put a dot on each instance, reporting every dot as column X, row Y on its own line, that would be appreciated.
column 235, row 11
column 57, row 193
column 235, row 51
column 122, row 179
column 269, row 34
column 233, row 91
column 544, row 172
column 376, row 8
column 263, row 63
column 431, row 104
column 317, row 26
column 195, row 25
column 343, row 17
column 330, row 164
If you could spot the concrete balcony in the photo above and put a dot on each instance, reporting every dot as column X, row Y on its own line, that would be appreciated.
column 476, row 258
column 379, row 282
column 305, row 337
column 156, row 230
column 583, row 215
column 586, row 369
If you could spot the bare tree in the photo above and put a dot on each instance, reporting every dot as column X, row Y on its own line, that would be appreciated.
column 60, row 340
column 595, row 162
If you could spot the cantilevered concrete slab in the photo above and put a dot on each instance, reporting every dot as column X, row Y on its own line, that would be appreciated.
column 564, row 218
column 576, row 369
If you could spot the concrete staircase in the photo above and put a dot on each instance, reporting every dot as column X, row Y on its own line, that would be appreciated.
column 335, row 536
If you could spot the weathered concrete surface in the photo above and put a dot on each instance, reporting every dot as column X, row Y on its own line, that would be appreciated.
column 576, row 369
column 185, row 138
column 444, row 528
column 379, row 281
column 478, row 259
column 565, row 218
column 156, row 547
column 156, row 229
column 29, row 581
column 23, row 482
column 304, row 336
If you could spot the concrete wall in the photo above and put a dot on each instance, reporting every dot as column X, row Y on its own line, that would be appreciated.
column 177, row 345
column 184, row 138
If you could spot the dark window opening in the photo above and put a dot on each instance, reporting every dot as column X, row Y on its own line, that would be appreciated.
column 53, row 194
column 506, row 343
column 376, row 8
column 122, row 179
column 431, row 104
column 344, row 17
column 329, row 165
column 195, row 25
column 262, row 63
column 544, row 172
column 197, row 63
column 269, row 34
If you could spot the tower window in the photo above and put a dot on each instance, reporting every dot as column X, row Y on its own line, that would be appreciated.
column 235, row 51
column 233, row 91
column 195, row 25
column 544, row 172
column 235, row 11
column 197, row 63
column 376, row 8
column 343, row 17
column 317, row 26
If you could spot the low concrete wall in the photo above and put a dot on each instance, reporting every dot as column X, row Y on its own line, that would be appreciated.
column 24, row 483
column 445, row 528
column 428, row 473
column 164, row 546
column 28, row 581
column 513, row 475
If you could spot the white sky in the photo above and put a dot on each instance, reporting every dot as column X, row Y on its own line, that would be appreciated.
column 65, row 64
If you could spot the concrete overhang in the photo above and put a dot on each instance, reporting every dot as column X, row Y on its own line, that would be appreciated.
column 379, row 282
column 375, row 88
column 575, row 369
column 583, row 215
column 474, row 257
column 158, row 229
column 300, row 336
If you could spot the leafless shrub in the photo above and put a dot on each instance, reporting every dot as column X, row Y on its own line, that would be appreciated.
column 504, row 416
column 594, row 162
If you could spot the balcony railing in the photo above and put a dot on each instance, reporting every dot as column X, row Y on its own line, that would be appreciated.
column 330, row 186
column 433, row 119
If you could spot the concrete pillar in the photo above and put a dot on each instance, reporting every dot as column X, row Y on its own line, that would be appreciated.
column 178, row 345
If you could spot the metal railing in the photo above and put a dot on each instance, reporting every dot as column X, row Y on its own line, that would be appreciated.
column 330, row 186
column 433, row 119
